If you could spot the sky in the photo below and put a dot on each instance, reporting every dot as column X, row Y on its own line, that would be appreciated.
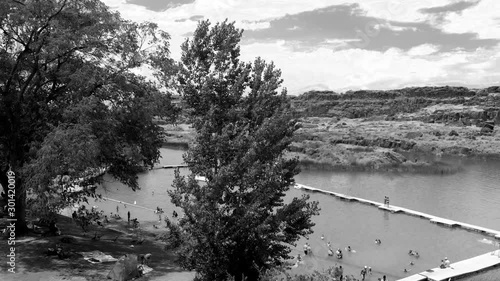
column 349, row 44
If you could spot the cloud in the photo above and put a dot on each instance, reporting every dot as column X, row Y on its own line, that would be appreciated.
column 456, row 7
column 423, row 50
column 348, row 44
column 347, row 69
column 159, row 6
column 348, row 22
column 311, row 29
column 192, row 18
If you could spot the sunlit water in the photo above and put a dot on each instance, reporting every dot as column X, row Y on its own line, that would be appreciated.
column 470, row 196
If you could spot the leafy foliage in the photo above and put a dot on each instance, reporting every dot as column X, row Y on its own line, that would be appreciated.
column 85, row 217
column 70, row 100
column 237, row 223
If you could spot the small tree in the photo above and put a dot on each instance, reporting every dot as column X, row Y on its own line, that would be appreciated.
column 236, row 224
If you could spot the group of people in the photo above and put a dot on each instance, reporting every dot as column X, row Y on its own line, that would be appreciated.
column 386, row 201
column 413, row 253
column 445, row 263
column 307, row 249
column 366, row 270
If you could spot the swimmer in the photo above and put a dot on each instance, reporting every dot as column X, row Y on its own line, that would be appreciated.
column 411, row 263
column 329, row 245
column 406, row 270
column 348, row 248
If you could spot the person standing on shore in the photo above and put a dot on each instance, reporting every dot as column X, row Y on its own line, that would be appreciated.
column 128, row 216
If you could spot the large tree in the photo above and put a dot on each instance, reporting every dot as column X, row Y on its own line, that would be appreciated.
column 237, row 223
column 70, row 101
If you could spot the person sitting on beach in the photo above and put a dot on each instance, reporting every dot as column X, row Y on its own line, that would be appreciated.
column 322, row 237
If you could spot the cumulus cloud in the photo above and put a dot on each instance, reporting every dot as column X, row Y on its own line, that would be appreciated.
column 348, row 44
column 314, row 28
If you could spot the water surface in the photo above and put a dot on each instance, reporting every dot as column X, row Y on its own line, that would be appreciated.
column 470, row 196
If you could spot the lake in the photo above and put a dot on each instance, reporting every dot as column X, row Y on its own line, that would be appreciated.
column 469, row 196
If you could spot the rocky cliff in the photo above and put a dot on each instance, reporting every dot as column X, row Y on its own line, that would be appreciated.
column 378, row 129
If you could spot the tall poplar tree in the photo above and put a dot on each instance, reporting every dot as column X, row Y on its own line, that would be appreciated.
column 237, row 223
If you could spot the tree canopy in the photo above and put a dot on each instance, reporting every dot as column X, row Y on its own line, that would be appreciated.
column 71, row 101
column 237, row 223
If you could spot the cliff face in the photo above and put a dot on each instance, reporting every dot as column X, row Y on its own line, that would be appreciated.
column 479, row 105
column 375, row 129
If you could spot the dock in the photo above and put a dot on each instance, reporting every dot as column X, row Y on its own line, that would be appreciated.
column 458, row 269
column 397, row 209
column 173, row 166
column 416, row 277
column 445, row 222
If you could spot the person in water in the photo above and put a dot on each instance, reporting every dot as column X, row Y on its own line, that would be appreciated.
column 330, row 252
column 363, row 273
column 348, row 248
